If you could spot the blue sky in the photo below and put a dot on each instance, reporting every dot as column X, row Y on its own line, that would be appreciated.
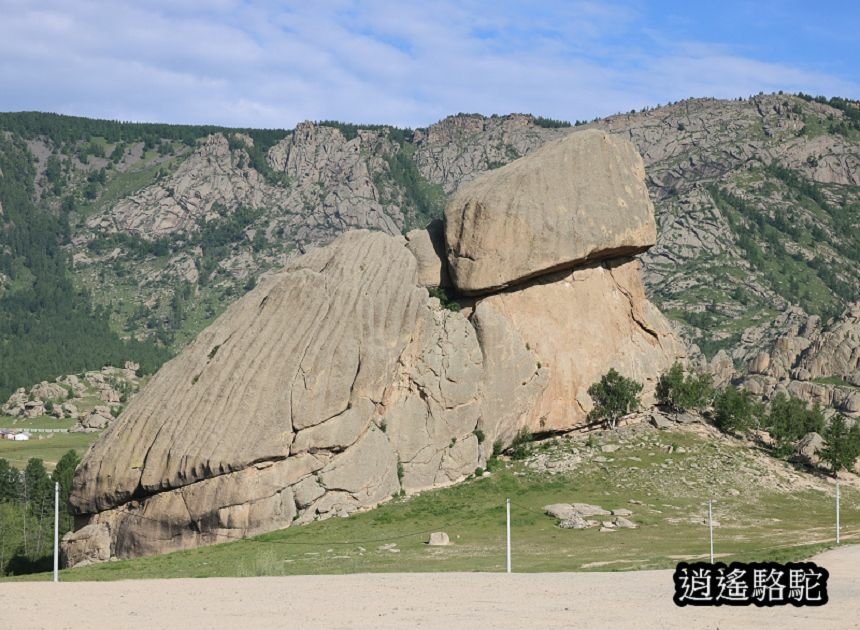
column 260, row 63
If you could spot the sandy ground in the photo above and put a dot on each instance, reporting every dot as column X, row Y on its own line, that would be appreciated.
column 640, row 599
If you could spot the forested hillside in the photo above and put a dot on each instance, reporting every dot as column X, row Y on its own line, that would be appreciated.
column 47, row 325
column 122, row 241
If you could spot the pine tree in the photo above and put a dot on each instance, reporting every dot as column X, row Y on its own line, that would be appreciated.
column 842, row 445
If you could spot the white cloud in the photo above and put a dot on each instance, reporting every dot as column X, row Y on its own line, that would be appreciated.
column 407, row 63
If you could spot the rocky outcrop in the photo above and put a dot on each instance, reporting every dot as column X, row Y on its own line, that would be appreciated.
column 576, row 341
column 96, row 420
column 459, row 148
column 49, row 391
column 428, row 247
column 814, row 363
column 329, row 178
column 340, row 382
column 70, row 396
column 577, row 199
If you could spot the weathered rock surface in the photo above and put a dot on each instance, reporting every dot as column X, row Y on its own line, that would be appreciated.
column 578, row 516
column 49, row 391
column 575, row 341
column 818, row 364
column 809, row 448
column 580, row 198
column 338, row 374
column 428, row 247
column 15, row 404
column 339, row 382
column 438, row 539
column 88, row 545
column 96, row 420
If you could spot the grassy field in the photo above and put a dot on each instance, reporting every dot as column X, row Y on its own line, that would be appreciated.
column 40, row 422
column 756, row 521
column 49, row 447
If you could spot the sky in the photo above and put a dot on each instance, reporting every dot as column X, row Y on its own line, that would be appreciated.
column 260, row 63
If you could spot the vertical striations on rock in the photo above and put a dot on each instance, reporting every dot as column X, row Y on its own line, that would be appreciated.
column 340, row 381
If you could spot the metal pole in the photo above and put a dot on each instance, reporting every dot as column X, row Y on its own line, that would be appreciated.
column 56, row 532
column 837, row 512
column 711, row 529
column 508, row 508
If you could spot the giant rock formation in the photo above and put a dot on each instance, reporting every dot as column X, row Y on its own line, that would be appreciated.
column 340, row 382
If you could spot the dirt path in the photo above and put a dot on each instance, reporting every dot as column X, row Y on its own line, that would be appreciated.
column 434, row 600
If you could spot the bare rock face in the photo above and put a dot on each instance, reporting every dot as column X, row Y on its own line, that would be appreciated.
column 459, row 148
column 211, row 175
column 580, row 198
column 818, row 364
column 578, row 324
column 339, row 382
column 836, row 351
column 303, row 348
column 96, row 420
column 327, row 389
column 428, row 247
column 49, row 391
column 16, row 402
column 88, row 545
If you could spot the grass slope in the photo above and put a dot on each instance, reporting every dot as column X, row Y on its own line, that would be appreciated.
column 49, row 447
column 779, row 519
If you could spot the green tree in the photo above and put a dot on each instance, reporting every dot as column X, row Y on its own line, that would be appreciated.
column 790, row 419
column 12, row 528
column 680, row 393
column 613, row 396
column 842, row 445
column 735, row 410
column 39, row 497
column 10, row 482
column 63, row 474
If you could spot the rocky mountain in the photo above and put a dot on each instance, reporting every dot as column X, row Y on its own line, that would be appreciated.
column 757, row 202
column 339, row 381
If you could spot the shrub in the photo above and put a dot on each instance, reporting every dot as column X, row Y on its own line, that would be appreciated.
column 493, row 461
column 613, row 396
column 444, row 298
column 520, row 446
column 480, row 435
column 681, row 393
column 735, row 410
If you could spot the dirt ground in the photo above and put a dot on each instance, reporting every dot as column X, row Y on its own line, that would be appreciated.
column 640, row 599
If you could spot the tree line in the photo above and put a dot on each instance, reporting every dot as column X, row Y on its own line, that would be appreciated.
column 734, row 411
column 27, row 513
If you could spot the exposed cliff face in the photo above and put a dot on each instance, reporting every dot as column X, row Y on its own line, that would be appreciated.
column 579, row 324
column 339, row 382
column 817, row 364
column 323, row 170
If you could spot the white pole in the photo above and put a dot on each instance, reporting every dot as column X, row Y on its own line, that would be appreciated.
column 56, row 532
column 837, row 512
column 711, row 529
column 508, row 508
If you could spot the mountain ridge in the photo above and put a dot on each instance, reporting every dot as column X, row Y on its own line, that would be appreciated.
column 757, row 200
